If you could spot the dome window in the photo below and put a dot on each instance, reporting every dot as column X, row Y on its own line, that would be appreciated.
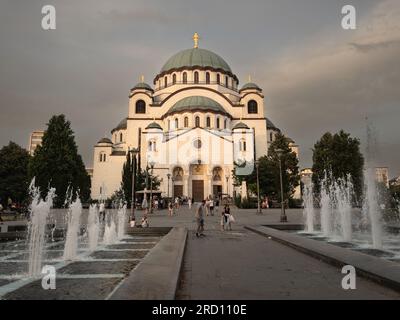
column 120, row 137
column 252, row 106
column 197, row 121
column 226, row 81
column 196, row 77
column 218, row 79
column 207, row 78
column 176, row 123
column 165, row 82
column 184, row 76
column 217, row 123
column 186, row 122
column 208, row 122
column 140, row 106
column 102, row 157
column 174, row 78
column 225, row 124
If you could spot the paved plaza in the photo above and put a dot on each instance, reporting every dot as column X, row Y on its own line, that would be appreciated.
column 240, row 264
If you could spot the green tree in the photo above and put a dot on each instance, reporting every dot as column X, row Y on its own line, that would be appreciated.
column 269, row 174
column 142, row 176
column 56, row 163
column 340, row 155
column 14, row 179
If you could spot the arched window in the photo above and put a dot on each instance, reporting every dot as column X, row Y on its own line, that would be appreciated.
column 217, row 123
column 169, row 125
column 140, row 106
column 174, row 78
column 270, row 136
column 165, row 82
column 102, row 157
column 176, row 123
column 186, row 122
column 208, row 122
column 120, row 137
column 226, row 81
column 218, row 78
column 184, row 78
column 196, row 77
column 225, row 124
column 207, row 78
column 197, row 121
column 115, row 138
column 252, row 107
column 152, row 146
column 242, row 145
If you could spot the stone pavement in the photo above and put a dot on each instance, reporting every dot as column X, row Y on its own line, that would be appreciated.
column 240, row 264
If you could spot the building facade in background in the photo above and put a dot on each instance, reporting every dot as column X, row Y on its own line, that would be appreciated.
column 35, row 140
column 192, row 126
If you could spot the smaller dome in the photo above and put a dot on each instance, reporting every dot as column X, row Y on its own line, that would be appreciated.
column 240, row 125
column 196, row 103
column 142, row 85
column 250, row 85
column 121, row 126
column 105, row 140
column 154, row 125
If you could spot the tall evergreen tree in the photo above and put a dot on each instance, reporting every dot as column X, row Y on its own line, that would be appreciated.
column 56, row 163
column 14, row 178
column 126, row 183
column 340, row 155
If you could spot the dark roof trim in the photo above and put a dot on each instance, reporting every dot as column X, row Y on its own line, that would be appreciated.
column 256, row 93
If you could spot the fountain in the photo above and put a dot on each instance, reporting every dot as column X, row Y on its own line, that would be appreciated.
column 93, row 226
column 121, row 221
column 110, row 233
column 39, row 211
column 308, row 211
column 73, row 228
column 326, row 209
column 343, row 190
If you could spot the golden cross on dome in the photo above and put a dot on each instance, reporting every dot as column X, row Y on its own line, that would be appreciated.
column 249, row 78
column 142, row 78
column 196, row 40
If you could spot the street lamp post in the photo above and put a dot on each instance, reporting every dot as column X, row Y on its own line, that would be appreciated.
column 173, row 193
column 134, row 152
column 283, row 214
column 227, row 185
column 169, row 177
column 151, row 186
column 258, row 189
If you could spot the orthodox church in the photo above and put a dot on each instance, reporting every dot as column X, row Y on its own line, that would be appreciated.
column 193, row 126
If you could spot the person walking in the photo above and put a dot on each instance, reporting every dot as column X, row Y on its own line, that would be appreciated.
column 228, row 218
column 170, row 209
column 190, row 203
column 222, row 222
column 211, row 205
column 200, row 219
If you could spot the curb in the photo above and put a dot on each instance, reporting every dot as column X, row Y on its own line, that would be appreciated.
column 157, row 276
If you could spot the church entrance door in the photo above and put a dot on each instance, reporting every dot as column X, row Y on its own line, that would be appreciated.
column 198, row 190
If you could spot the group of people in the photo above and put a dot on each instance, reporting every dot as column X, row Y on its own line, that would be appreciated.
column 226, row 217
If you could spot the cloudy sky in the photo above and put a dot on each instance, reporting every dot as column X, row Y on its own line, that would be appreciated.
column 316, row 76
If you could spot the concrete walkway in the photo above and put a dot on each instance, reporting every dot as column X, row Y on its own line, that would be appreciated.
column 243, row 265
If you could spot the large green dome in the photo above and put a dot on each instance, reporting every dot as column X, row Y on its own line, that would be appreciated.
column 196, row 57
column 196, row 103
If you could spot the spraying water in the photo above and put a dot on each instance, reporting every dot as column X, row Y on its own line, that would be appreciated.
column 308, row 212
column 39, row 211
column 71, row 242
column 93, row 226
column 343, row 193
column 326, row 209
column 110, row 233
column 121, row 221
column 371, row 210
